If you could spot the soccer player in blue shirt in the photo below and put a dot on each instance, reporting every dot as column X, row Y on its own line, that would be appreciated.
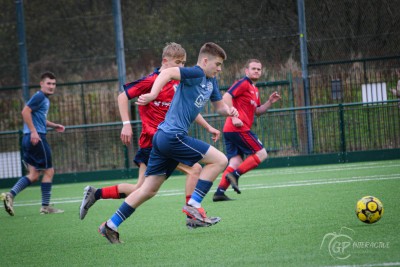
column 172, row 144
column 152, row 114
column 36, row 150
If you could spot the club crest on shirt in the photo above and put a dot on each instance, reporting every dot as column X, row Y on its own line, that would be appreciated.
column 200, row 101
column 209, row 86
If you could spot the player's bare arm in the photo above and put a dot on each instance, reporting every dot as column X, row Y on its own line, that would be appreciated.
column 216, row 134
column 274, row 97
column 58, row 127
column 163, row 78
column 223, row 109
column 228, row 100
column 126, row 132
column 27, row 117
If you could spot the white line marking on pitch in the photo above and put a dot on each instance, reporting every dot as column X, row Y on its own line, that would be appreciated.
column 174, row 192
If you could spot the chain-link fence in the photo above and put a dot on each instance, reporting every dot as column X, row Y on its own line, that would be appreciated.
column 76, row 38
column 337, row 129
column 72, row 104
column 351, row 29
column 350, row 81
column 94, row 102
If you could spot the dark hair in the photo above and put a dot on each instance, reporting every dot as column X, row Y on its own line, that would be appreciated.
column 213, row 49
column 47, row 74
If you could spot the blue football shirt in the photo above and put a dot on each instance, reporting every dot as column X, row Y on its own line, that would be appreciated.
column 40, row 104
column 193, row 92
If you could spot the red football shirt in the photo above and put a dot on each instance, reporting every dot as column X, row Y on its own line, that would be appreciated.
column 245, row 99
column 153, row 113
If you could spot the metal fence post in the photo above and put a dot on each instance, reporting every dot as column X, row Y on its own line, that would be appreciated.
column 20, row 135
column 292, row 104
column 83, row 103
column 304, row 70
column 23, row 55
column 343, row 157
column 126, row 155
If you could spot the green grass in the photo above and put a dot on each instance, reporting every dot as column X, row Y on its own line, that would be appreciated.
column 280, row 219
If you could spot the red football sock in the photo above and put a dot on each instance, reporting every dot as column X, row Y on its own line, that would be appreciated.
column 188, row 198
column 250, row 163
column 110, row 192
column 224, row 184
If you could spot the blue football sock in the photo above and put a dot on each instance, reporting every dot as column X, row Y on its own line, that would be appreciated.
column 220, row 191
column 236, row 174
column 20, row 185
column 120, row 216
column 97, row 194
column 46, row 193
column 201, row 190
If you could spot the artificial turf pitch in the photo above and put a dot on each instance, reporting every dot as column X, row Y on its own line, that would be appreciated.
column 292, row 216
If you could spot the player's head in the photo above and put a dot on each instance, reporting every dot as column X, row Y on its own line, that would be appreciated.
column 210, row 59
column 253, row 69
column 48, row 75
column 174, row 55
column 48, row 82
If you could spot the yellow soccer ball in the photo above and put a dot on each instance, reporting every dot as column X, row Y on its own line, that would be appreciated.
column 369, row 209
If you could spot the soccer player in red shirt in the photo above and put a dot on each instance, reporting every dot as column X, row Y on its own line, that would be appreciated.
column 152, row 114
column 240, row 141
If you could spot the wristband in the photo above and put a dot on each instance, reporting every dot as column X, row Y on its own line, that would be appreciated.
column 126, row 122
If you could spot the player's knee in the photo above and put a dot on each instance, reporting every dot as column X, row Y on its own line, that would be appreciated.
column 48, row 175
column 33, row 177
column 150, row 193
column 262, row 154
column 223, row 161
column 196, row 170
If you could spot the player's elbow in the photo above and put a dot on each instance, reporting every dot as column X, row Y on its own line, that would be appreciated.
column 122, row 97
column 25, row 111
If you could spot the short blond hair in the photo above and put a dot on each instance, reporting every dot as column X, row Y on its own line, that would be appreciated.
column 251, row 61
column 173, row 50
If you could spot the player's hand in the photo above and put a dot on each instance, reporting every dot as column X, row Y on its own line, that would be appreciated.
column 237, row 122
column 274, row 97
column 35, row 138
column 144, row 99
column 216, row 134
column 232, row 112
column 126, row 134
column 59, row 128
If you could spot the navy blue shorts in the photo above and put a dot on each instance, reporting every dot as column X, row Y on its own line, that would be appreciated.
column 38, row 156
column 241, row 143
column 142, row 156
column 171, row 149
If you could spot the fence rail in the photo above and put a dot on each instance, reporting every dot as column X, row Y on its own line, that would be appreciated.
column 350, row 81
column 92, row 102
column 336, row 128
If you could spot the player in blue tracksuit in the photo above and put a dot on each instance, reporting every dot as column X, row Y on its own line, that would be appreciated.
column 36, row 150
column 171, row 143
